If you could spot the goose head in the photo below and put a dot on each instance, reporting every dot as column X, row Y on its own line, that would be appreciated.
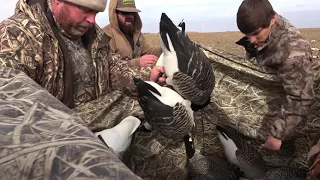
column 119, row 137
column 182, row 26
column 165, row 109
column 165, row 95
column 228, row 144
column 250, row 48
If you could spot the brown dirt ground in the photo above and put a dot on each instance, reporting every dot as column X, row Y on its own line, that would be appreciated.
column 226, row 40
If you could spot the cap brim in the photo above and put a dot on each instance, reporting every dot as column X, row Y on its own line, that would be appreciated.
column 128, row 9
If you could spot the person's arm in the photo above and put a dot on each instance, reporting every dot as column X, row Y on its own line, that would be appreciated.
column 149, row 54
column 122, row 74
column 17, row 50
column 297, row 78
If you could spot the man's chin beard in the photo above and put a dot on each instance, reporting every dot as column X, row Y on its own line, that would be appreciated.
column 126, row 29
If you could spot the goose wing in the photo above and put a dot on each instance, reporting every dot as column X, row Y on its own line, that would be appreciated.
column 209, row 167
column 286, row 173
column 173, row 123
column 251, row 162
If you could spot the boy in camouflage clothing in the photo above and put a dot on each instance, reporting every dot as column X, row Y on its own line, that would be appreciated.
column 274, row 42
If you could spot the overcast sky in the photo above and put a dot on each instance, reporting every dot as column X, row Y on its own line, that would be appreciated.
column 203, row 15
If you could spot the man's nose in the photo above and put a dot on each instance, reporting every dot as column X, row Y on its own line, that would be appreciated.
column 252, row 39
column 91, row 18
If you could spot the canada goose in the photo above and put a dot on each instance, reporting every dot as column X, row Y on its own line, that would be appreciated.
column 210, row 168
column 164, row 109
column 250, row 161
column 119, row 137
column 241, row 154
column 250, row 48
column 187, row 68
column 182, row 26
column 285, row 173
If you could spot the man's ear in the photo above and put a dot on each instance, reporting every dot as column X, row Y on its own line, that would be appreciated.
column 272, row 20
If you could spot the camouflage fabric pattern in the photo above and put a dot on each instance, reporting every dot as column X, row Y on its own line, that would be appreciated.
column 155, row 157
column 288, row 53
column 248, row 97
column 83, row 70
column 151, row 155
column 40, row 139
column 26, row 35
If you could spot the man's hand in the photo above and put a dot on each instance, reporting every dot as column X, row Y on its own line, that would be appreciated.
column 148, row 60
column 272, row 143
column 155, row 72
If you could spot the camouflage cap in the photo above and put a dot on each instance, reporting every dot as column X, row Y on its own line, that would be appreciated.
column 127, row 6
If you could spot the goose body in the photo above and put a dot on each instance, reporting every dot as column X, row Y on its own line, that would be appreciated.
column 210, row 168
column 241, row 154
column 250, row 161
column 119, row 137
column 164, row 109
column 187, row 68
column 286, row 173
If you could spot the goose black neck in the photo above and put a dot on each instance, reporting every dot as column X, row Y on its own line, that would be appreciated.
column 190, row 149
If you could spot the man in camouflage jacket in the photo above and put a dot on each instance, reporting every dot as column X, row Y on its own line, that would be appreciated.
column 58, row 45
column 277, row 44
column 73, row 67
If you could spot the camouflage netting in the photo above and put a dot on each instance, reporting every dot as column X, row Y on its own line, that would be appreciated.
column 248, row 97
column 40, row 139
column 35, row 137
column 151, row 155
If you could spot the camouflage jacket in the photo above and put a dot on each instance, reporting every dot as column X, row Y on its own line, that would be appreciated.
column 30, row 44
column 287, row 52
column 41, row 139
column 119, row 42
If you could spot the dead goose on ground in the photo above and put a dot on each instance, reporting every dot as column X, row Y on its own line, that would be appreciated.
column 187, row 68
column 241, row 154
column 285, row 173
column 210, row 168
column 119, row 137
column 165, row 109
column 250, row 161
